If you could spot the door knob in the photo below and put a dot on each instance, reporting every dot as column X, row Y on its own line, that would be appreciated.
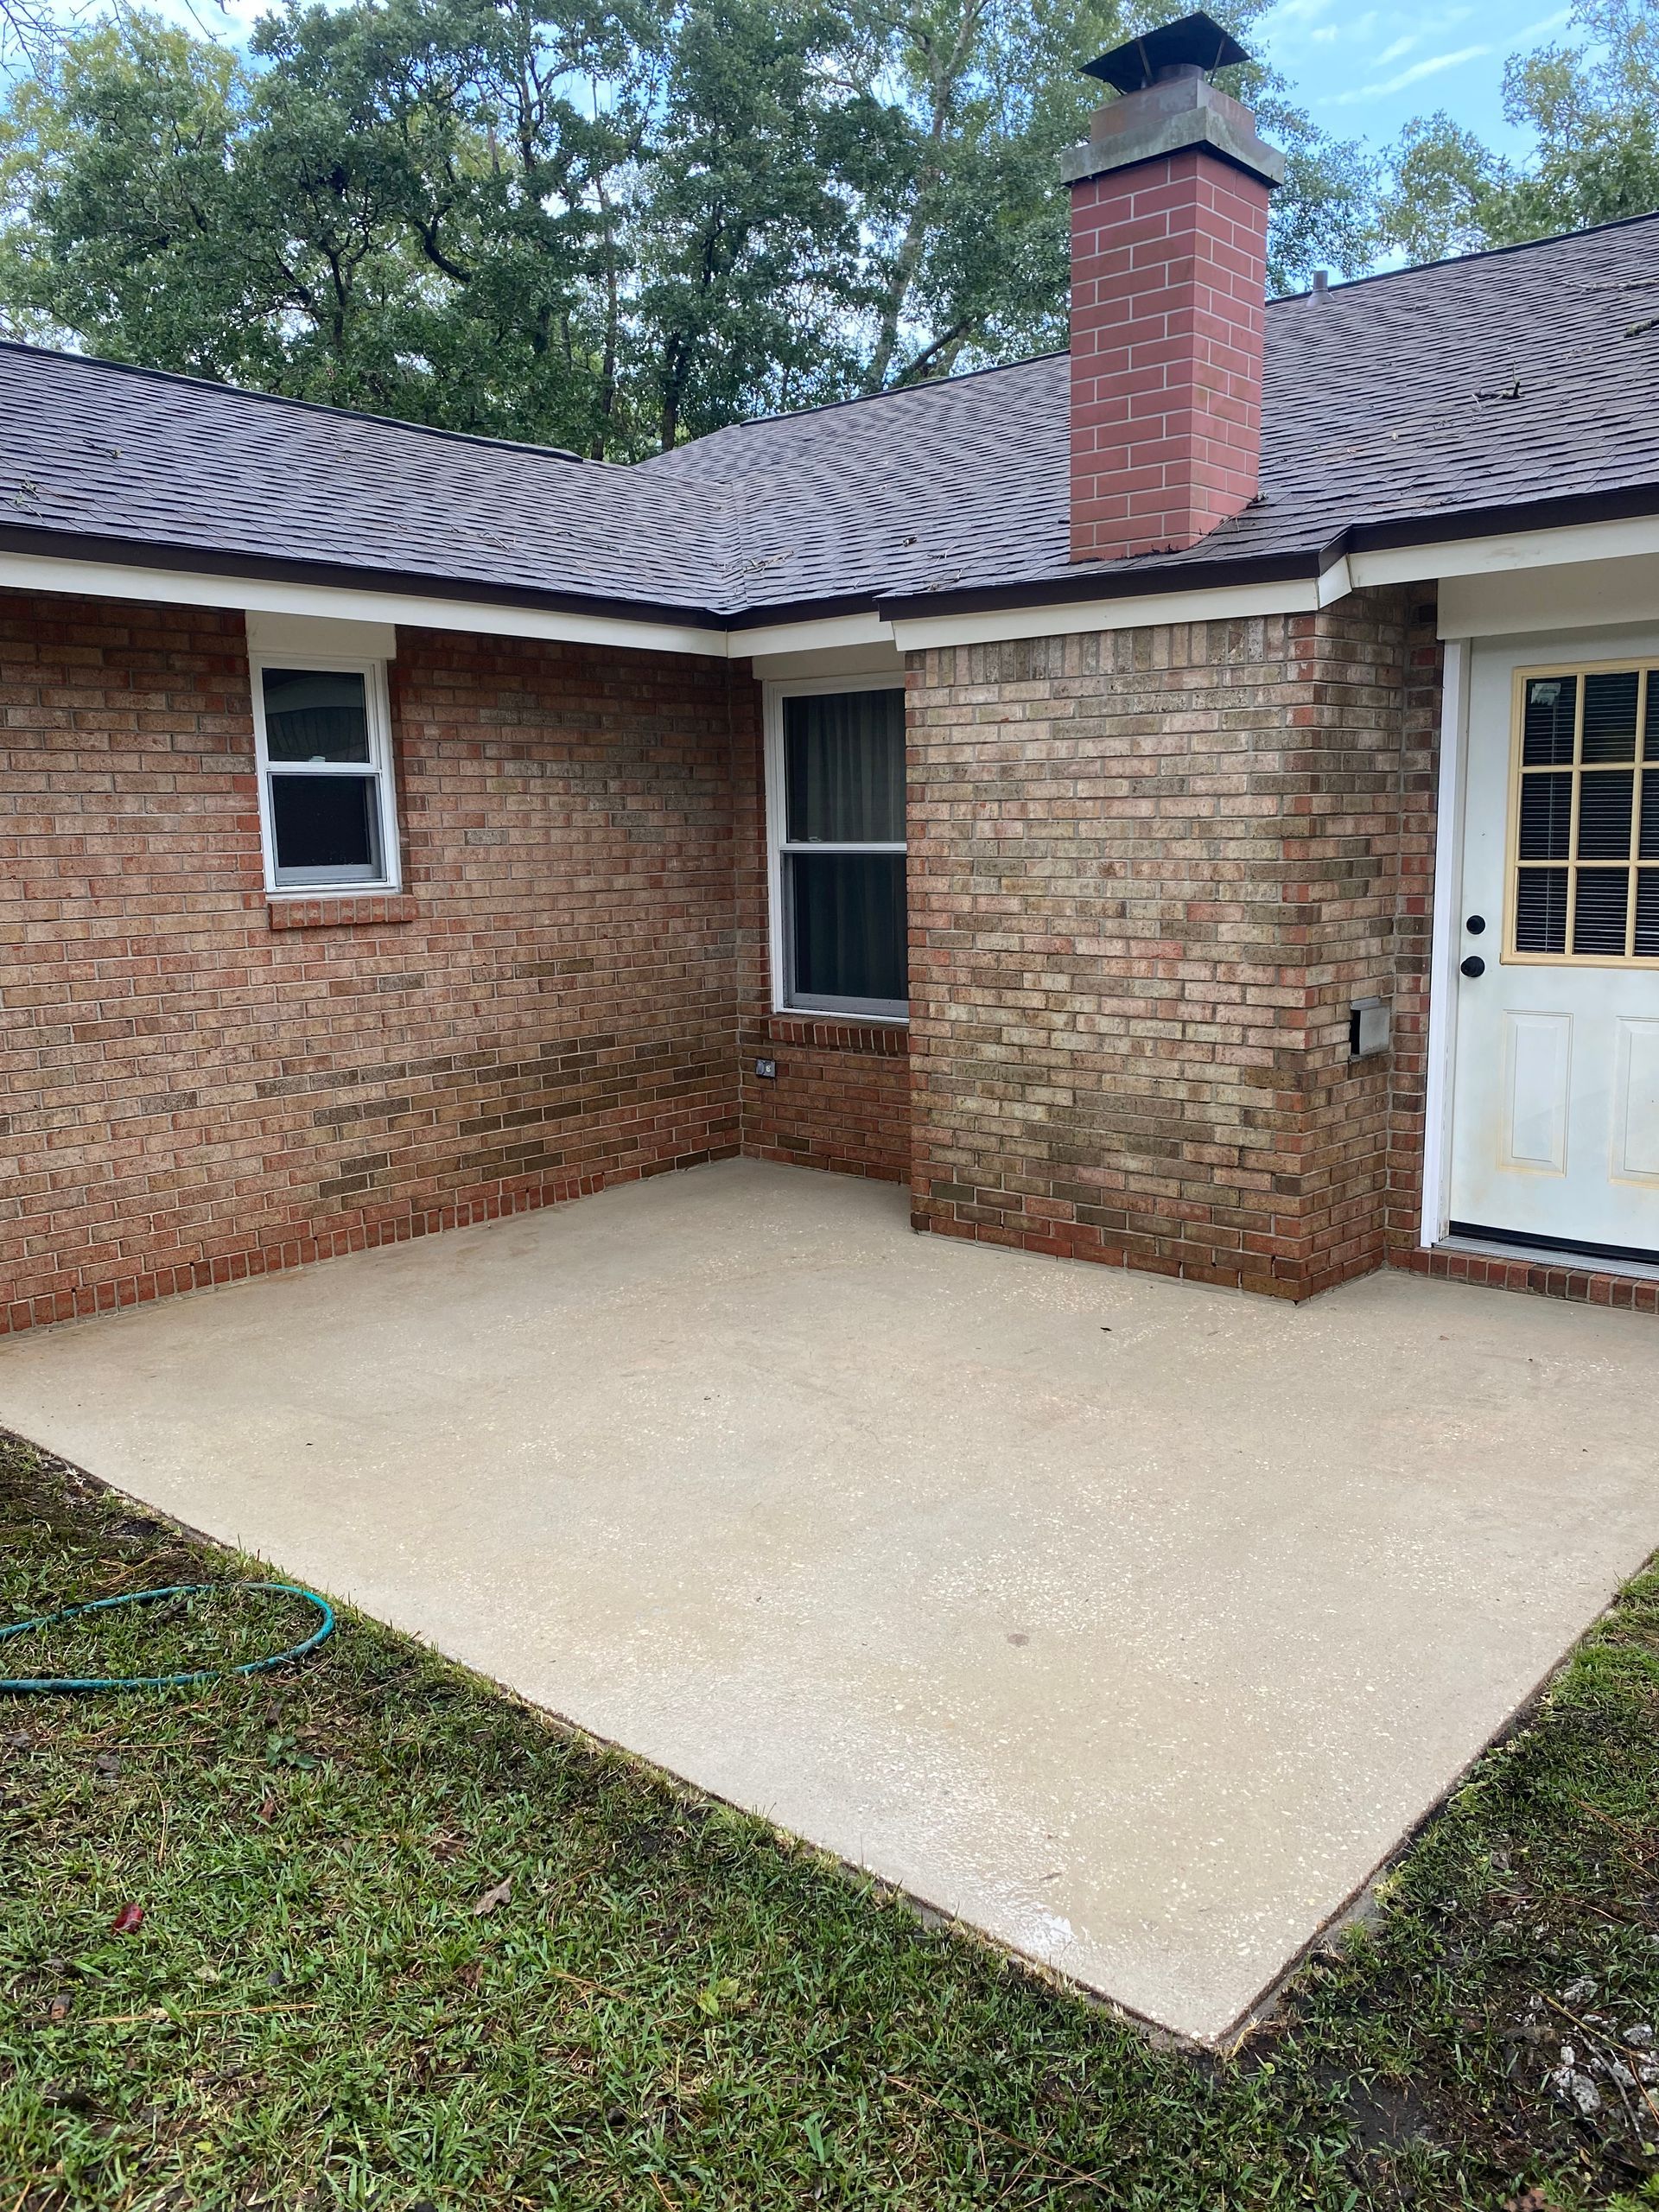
column 1475, row 925
column 1474, row 965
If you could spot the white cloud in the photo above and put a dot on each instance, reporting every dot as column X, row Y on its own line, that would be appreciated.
column 1431, row 67
column 1293, row 11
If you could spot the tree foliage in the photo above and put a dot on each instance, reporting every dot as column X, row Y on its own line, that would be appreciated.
column 609, row 224
column 1590, row 107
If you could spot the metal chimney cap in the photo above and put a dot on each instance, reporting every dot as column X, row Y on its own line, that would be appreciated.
column 1194, row 46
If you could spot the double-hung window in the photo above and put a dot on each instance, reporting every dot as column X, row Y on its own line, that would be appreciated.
column 835, row 803
column 325, row 802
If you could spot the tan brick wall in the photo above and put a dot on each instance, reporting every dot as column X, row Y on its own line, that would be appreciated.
column 190, row 1094
column 1150, row 869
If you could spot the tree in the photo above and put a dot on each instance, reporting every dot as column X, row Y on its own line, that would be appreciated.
column 606, row 223
column 1592, row 107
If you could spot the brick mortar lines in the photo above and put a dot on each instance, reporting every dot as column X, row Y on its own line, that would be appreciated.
column 841, row 1098
column 191, row 1094
column 1129, row 1032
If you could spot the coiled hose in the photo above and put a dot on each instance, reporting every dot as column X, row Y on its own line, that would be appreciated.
column 64, row 1682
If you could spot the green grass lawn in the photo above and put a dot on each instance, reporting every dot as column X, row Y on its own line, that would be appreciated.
column 673, row 2005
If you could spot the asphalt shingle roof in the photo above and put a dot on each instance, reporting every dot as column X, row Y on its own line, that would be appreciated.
column 1408, row 405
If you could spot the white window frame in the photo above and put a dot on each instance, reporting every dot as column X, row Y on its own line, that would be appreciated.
column 865, row 1011
column 378, row 707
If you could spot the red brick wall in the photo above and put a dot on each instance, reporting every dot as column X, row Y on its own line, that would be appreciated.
column 190, row 1094
column 1149, row 871
column 1168, row 292
column 840, row 1098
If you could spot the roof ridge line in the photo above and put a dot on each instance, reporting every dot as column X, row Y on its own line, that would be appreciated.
column 1480, row 253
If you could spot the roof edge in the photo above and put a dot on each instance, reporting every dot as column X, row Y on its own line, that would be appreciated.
column 1101, row 580
column 99, row 551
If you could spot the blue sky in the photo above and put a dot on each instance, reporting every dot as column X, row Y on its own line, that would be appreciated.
column 1362, row 72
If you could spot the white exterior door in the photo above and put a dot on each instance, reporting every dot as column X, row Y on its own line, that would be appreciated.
column 1555, row 1087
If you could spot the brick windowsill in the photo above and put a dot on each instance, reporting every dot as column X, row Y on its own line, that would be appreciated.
column 352, row 909
column 831, row 1034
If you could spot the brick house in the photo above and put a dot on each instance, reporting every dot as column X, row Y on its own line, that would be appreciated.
column 1180, row 803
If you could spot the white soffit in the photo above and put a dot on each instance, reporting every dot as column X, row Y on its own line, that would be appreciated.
column 1575, row 596
column 1511, row 552
column 316, row 635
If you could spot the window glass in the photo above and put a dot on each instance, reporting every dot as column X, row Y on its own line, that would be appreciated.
column 847, row 927
column 326, row 828
column 315, row 716
column 1551, row 708
column 1586, row 814
column 844, row 768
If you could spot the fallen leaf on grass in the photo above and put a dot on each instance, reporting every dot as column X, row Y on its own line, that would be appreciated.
column 268, row 1810
column 129, row 1917
column 501, row 1894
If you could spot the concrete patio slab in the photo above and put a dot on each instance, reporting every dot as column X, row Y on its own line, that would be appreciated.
column 1134, row 1622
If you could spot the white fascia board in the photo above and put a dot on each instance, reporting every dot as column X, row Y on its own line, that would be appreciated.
column 1226, row 602
column 833, row 633
column 1521, row 548
column 266, row 601
column 180, row 587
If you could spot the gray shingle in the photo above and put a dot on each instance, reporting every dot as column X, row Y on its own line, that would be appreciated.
column 1412, row 400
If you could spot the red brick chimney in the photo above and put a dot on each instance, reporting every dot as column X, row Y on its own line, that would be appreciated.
column 1169, row 232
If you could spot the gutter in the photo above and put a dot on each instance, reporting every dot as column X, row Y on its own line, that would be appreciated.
column 1316, row 576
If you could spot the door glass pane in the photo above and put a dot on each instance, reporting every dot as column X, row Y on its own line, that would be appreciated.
column 1546, row 816
column 1647, row 914
column 1610, row 716
column 847, row 920
column 844, row 769
column 1598, row 910
column 1650, row 845
column 326, row 823
column 312, row 716
column 1546, row 737
column 1540, row 910
column 1604, row 801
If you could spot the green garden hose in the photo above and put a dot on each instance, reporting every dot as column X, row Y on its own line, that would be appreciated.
column 166, row 1681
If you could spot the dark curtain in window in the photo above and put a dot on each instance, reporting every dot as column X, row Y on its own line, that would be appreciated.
column 847, row 910
column 844, row 769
